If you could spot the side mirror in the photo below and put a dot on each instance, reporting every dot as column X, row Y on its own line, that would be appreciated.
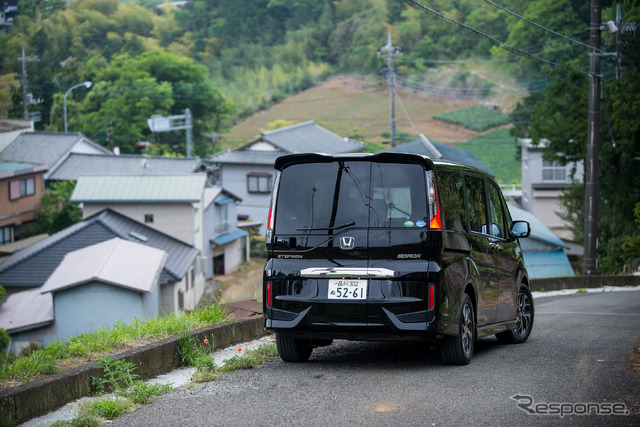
column 520, row 229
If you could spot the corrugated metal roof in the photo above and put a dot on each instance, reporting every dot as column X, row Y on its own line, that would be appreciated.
column 32, row 266
column 116, row 262
column 247, row 157
column 77, row 164
column 170, row 188
column 547, row 264
column 539, row 231
column 26, row 310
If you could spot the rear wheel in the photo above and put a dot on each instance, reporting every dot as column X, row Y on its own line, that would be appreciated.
column 524, row 319
column 291, row 349
column 457, row 350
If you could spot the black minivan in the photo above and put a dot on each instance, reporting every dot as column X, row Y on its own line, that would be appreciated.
column 391, row 246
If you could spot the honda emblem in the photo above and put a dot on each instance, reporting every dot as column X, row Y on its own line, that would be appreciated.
column 347, row 243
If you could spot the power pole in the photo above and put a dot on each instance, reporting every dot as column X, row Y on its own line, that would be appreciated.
column 25, row 95
column 390, row 51
column 593, row 141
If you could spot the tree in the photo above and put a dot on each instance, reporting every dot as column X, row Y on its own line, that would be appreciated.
column 57, row 211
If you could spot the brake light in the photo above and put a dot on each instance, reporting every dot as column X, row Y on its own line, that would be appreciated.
column 269, row 294
column 270, row 219
column 432, row 296
column 435, row 222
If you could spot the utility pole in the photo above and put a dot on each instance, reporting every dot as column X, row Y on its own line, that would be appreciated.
column 390, row 51
column 593, row 148
column 25, row 96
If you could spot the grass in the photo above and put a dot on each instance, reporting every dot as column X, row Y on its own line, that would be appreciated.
column 475, row 118
column 208, row 370
column 498, row 151
column 93, row 345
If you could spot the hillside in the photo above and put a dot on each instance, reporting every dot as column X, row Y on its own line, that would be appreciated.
column 358, row 106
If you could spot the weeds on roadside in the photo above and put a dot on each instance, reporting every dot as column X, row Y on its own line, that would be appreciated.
column 90, row 346
column 208, row 370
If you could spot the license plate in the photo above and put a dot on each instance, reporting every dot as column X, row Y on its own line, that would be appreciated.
column 346, row 289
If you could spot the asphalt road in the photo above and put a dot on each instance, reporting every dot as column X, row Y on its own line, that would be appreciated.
column 576, row 355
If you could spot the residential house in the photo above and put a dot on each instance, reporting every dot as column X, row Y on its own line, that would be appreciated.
column 248, row 172
column 49, row 148
column 182, row 205
column 11, row 128
column 21, row 188
column 544, row 253
column 542, row 184
column 103, row 284
column 27, row 317
column 437, row 151
column 31, row 267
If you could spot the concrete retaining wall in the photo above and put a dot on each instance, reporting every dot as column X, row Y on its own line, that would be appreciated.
column 37, row 398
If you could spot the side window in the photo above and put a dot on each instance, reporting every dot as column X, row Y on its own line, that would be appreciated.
column 476, row 204
column 498, row 223
column 451, row 191
column 259, row 182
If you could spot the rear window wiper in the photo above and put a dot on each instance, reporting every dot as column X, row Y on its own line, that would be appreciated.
column 337, row 227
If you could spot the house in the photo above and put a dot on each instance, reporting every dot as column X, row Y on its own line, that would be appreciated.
column 21, row 188
column 435, row 150
column 27, row 317
column 11, row 128
column 76, row 164
column 49, row 148
column 100, row 285
column 543, row 252
column 181, row 205
column 31, row 267
column 542, row 184
column 248, row 172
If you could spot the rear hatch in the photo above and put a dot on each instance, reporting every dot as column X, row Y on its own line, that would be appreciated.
column 349, row 248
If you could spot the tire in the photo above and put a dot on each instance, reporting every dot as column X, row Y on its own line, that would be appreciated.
column 292, row 349
column 524, row 319
column 458, row 349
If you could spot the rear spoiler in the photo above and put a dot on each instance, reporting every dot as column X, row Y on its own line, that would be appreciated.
column 287, row 160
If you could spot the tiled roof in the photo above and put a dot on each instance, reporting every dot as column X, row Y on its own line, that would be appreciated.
column 306, row 137
column 32, row 266
column 77, row 164
column 440, row 151
column 45, row 147
column 310, row 137
column 168, row 188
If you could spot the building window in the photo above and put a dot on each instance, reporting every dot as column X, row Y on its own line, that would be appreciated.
column 553, row 171
column 222, row 219
column 5, row 235
column 259, row 182
column 148, row 218
column 22, row 188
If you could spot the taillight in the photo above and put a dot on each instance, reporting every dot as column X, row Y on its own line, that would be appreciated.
column 432, row 296
column 434, row 209
column 269, row 294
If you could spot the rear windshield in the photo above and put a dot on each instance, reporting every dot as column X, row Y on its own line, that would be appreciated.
column 319, row 197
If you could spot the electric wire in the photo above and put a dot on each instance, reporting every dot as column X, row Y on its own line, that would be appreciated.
column 495, row 41
column 535, row 24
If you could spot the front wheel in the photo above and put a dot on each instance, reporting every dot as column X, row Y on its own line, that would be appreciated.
column 291, row 349
column 458, row 349
column 524, row 319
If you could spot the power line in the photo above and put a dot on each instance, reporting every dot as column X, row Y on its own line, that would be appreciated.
column 492, row 39
column 535, row 24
